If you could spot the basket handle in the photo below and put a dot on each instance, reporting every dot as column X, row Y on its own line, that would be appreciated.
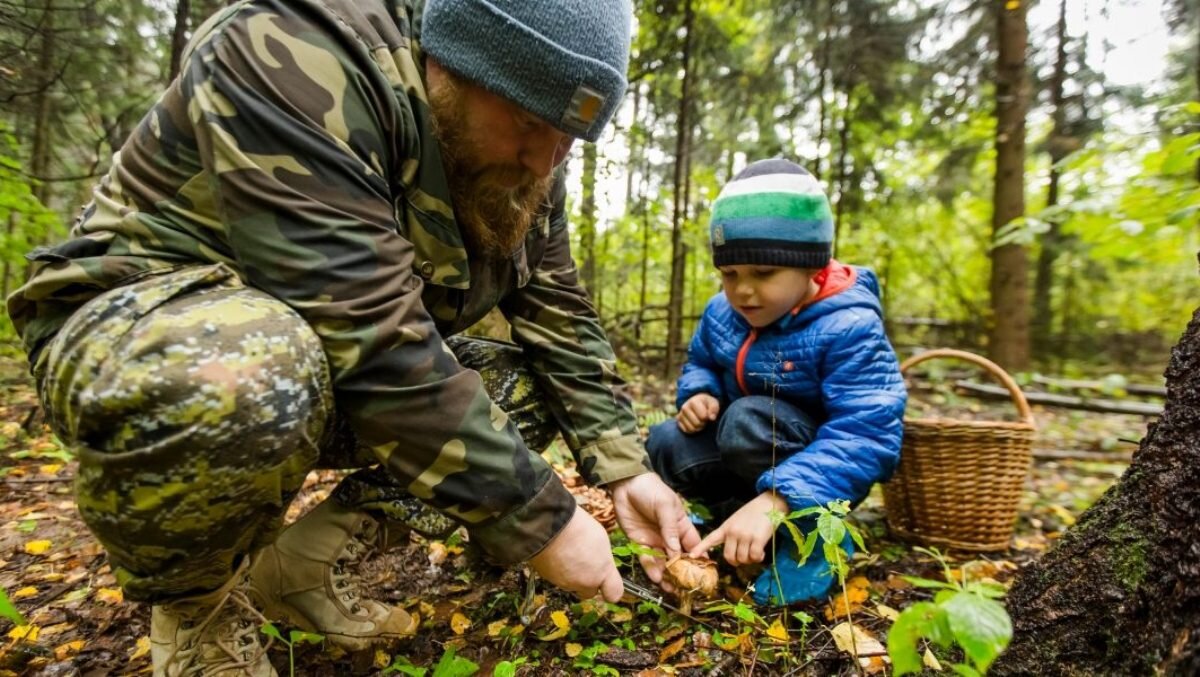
column 994, row 369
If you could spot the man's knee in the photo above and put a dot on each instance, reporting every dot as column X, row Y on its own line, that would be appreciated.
column 747, row 425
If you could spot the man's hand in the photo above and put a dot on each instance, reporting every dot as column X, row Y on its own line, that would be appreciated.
column 579, row 559
column 651, row 514
column 746, row 532
column 697, row 412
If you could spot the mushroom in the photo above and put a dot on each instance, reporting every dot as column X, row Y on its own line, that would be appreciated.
column 692, row 577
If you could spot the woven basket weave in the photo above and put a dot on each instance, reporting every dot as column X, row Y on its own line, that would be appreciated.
column 959, row 482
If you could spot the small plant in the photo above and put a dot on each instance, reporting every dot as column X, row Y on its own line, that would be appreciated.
column 294, row 637
column 626, row 551
column 962, row 612
column 450, row 665
column 9, row 610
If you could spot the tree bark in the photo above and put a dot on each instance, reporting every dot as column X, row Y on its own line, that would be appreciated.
column 1009, row 341
column 678, row 248
column 1120, row 593
column 1043, row 314
column 183, row 13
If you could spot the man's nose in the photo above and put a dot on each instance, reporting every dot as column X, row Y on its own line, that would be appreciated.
column 544, row 150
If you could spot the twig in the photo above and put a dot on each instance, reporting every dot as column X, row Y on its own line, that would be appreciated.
column 15, row 480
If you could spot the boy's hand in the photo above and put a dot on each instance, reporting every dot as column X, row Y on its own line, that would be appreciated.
column 697, row 412
column 746, row 532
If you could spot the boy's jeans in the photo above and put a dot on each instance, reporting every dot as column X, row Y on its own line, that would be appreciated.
column 721, row 463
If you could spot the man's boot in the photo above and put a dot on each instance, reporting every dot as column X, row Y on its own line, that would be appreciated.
column 308, row 577
column 211, row 635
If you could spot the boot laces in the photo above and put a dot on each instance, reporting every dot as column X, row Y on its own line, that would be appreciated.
column 236, row 637
column 361, row 544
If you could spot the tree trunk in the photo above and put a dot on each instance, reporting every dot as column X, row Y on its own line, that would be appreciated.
column 1120, row 593
column 1009, row 343
column 587, row 219
column 1043, row 314
column 678, row 248
column 822, row 78
column 183, row 13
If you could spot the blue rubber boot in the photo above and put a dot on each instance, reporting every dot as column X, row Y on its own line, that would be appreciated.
column 786, row 582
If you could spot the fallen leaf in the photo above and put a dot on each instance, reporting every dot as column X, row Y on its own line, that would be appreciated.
column 897, row 582
column 459, row 623
column 142, row 648
column 65, row 651
column 930, row 661
column 437, row 553
column 496, row 627
column 562, row 626
column 573, row 649
column 28, row 633
column 426, row 609
column 887, row 612
column 37, row 547
column 671, row 649
column 110, row 596
column 29, row 591
column 777, row 632
column 621, row 615
column 702, row 640
column 856, row 641
column 845, row 603
column 382, row 658
column 51, row 469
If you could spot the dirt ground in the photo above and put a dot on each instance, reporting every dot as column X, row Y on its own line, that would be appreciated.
column 477, row 619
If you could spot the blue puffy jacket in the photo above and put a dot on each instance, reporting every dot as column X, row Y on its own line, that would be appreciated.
column 831, row 359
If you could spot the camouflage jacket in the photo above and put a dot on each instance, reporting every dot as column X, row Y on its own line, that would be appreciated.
column 295, row 148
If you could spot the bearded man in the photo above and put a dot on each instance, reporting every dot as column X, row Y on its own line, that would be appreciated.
column 266, row 281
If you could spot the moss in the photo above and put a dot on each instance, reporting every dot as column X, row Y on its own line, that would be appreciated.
column 1129, row 550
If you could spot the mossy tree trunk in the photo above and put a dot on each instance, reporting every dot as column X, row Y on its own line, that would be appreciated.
column 1120, row 594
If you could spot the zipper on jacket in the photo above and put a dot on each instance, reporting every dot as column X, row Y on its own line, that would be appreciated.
column 740, row 367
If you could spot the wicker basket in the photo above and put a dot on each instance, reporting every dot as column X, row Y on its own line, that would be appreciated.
column 959, row 482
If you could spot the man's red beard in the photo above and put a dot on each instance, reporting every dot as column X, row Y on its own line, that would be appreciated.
column 494, row 206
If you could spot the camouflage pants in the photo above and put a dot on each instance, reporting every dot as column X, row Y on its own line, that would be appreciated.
column 197, row 406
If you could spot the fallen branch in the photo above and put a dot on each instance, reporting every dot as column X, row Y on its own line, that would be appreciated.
column 1066, row 401
column 1079, row 455
column 1073, row 384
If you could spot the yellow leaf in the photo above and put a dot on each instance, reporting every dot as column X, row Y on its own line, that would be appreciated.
column 496, row 627
column 437, row 553
column 887, row 612
column 459, row 623
column 573, row 649
column 1012, row 5
column 51, row 468
column 562, row 625
column 382, row 659
column 142, row 648
column 931, row 661
column 25, row 592
column 777, row 631
column 65, row 651
column 110, row 596
column 37, row 547
column 621, row 615
column 28, row 633
column 856, row 641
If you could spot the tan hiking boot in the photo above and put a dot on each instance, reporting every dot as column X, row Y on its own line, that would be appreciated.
column 308, row 577
column 211, row 635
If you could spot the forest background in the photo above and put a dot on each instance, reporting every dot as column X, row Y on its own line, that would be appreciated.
column 978, row 156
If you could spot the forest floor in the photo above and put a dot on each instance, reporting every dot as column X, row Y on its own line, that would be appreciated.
column 477, row 619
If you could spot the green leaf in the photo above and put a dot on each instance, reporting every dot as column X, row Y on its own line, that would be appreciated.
column 745, row 613
column 926, row 583
column 857, row 537
column 831, row 528
column 965, row 670
column 508, row 668
column 980, row 625
column 810, row 544
column 804, row 618
column 9, row 611
column 805, row 512
column 454, row 666
column 912, row 624
column 302, row 637
column 271, row 631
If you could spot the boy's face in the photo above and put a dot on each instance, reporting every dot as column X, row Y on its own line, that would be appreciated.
column 763, row 294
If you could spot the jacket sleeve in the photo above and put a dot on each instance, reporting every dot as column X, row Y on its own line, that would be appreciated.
column 557, row 327
column 292, row 129
column 700, row 372
column 859, row 443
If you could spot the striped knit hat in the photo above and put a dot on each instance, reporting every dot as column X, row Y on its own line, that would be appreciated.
column 773, row 213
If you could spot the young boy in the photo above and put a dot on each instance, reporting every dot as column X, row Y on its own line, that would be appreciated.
column 791, row 396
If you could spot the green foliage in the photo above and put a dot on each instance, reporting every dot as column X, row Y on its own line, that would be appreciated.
column 963, row 613
column 9, row 610
column 294, row 637
column 450, row 665
column 832, row 528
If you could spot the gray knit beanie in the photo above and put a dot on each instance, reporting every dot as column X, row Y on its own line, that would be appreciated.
column 562, row 60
